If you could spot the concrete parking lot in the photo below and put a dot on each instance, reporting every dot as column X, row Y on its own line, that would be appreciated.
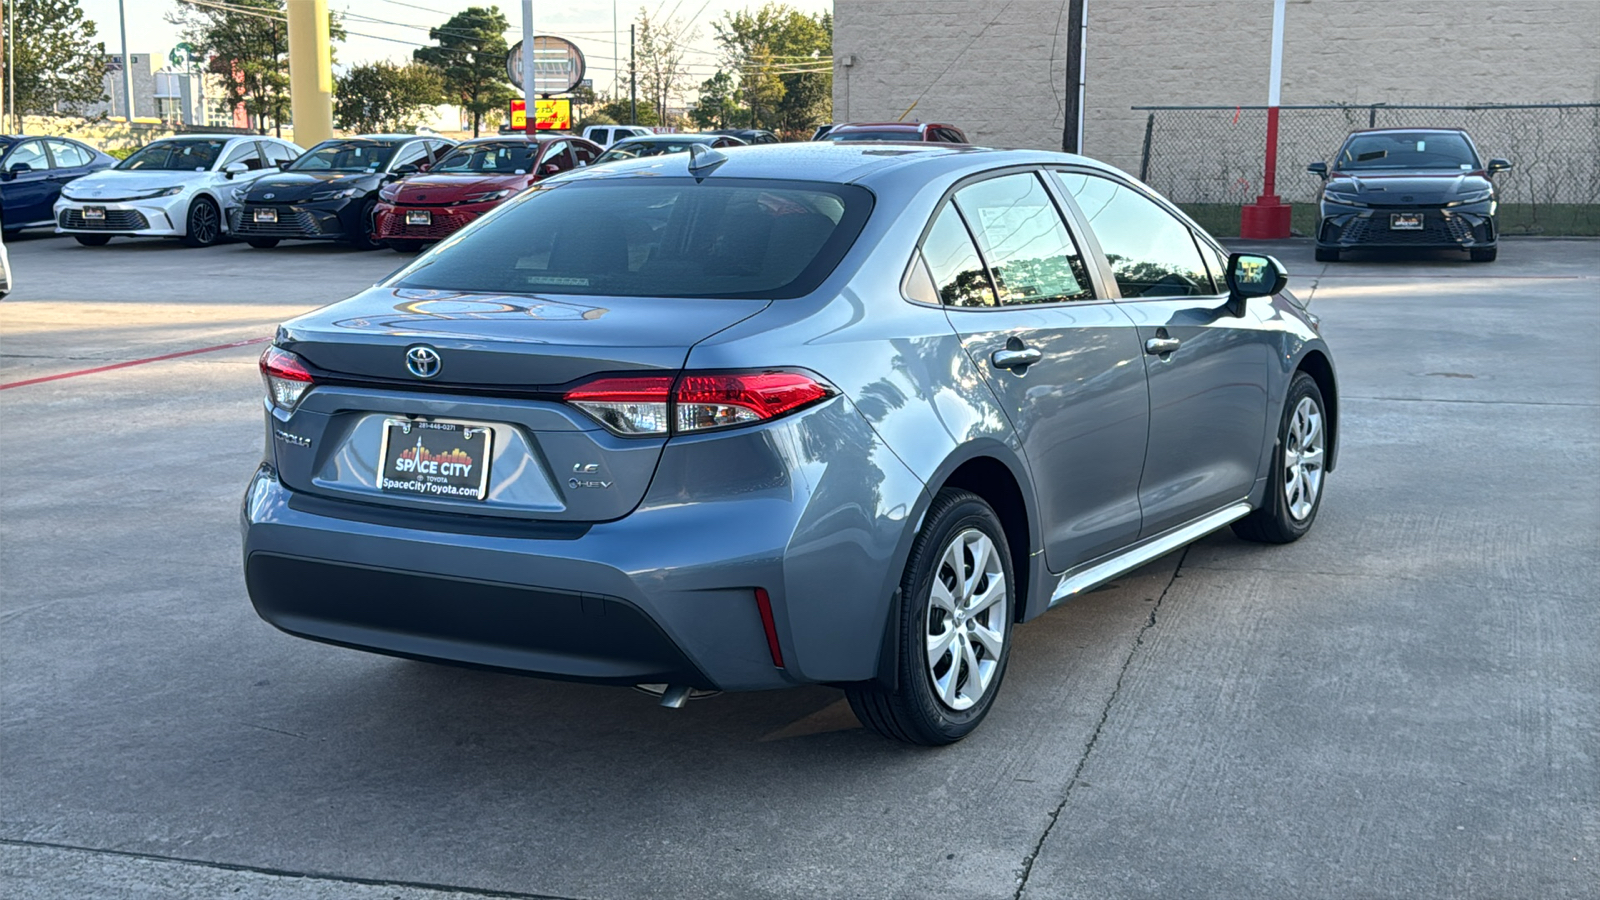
column 1404, row 704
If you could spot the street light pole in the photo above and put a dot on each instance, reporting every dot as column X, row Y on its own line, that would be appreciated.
column 127, row 64
column 633, row 80
column 1268, row 217
column 529, row 116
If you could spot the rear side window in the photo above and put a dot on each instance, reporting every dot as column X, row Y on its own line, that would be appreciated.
column 1023, row 240
column 655, row 237
column 68, row 156
column 958, row 276
column 1152, row 254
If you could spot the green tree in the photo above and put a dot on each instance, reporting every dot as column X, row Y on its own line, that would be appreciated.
column 785, row 63
column 58, row 66
column 718, row 106
column 382, row 96
column 471, row 59
column 247, row 44
column 663, row 75
column 621, row 110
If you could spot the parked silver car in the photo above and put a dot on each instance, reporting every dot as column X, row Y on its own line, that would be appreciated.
column 812, row 413
column 180, row 187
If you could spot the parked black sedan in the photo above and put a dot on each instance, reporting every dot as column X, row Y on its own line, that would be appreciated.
column 32, row 171
column 1410, row 188
column 329, row 193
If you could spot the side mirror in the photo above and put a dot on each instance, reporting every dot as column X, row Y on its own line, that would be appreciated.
column 232, row 169
column 1499, row 165
column 550, row 169
column 1253, row 275
column 19, row 169
column 407, row 169
column 423, row 167
column 1319, row 169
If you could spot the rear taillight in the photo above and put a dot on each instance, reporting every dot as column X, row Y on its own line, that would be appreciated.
column 286, row 376
column 696, row 401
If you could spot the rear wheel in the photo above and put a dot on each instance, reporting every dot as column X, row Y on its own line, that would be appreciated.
column 204, row 223
column 954, row 628
column 262, row 243
column 1485, row 255
column 92, row 240
column 1295, row 493
column 1327, row 254
column 365, row 226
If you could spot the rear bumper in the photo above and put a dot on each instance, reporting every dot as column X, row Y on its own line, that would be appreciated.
column 1442, row 228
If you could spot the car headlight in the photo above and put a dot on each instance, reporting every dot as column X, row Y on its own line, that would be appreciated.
column 335, row 195
column 160, row 192
column 239, row 193
column 1342, row 199
column 1475, row 197
column 484, row 198
column 389, row 193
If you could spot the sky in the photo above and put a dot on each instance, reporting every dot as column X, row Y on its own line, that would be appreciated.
column 391, row 29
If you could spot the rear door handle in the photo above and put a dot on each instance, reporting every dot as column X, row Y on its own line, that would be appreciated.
column 1160, row 346
column 1010, row 358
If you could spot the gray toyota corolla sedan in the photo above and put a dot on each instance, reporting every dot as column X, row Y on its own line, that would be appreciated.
column 808, row 413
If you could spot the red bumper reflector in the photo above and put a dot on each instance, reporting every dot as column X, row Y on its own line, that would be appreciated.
column 764, row 603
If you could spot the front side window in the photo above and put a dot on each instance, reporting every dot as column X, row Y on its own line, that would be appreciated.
column 175, row 156
column 30, row 154
column 345, row 156
column 489, row 158
column 654, row 237
column 557, row 156
column 1023, row 240
column 1151, row 253
column 411, row 154
column 1406, row 150
column 278, row 154
column 248, row 153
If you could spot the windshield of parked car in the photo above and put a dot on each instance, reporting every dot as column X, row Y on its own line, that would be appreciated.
column 1406, row 150
column 636, row 149
column 497, row 158
column 654, row 237
column 887, row 134
column 345, row 156
column 177, row 156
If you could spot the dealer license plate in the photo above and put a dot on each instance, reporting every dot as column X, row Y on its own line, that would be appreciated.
column 419, row 217
column 430, row 458
column 94, row 212
column 1405, row 221
column 266, row 215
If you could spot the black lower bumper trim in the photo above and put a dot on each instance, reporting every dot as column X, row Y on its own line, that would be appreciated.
column 532, row 631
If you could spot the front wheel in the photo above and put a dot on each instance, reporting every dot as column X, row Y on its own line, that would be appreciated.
column 953, row 631
column 366, row 226
column 204, row 223
column 92, row 240
column 1295, row 494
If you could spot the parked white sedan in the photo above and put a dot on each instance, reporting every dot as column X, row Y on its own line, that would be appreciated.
column 175, row 187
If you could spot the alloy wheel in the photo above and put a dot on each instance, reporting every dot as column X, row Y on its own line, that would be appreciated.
column 965, row 629
column 1302, row 459
column 203, row 223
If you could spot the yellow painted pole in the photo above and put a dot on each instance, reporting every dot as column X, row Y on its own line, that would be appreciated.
column 310, row 72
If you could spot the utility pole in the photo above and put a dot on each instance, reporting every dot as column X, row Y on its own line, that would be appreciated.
column 616, row 57
column 127, row 63
column 529, row 115
column 8, row 69
column 633, row 79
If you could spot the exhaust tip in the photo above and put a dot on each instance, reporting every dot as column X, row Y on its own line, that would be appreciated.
column 674, row 696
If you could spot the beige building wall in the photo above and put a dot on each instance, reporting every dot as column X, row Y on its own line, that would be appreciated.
column 996, row 69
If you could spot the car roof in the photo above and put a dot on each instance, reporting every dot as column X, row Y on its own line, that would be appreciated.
column 846, row 163
column 394, row 137
column 518, row 135
column 1403, row 128
column 909, row 126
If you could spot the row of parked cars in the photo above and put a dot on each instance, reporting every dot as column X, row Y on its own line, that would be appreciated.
column 401, row 190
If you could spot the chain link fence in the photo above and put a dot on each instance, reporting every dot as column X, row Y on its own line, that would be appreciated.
column 1213, row 154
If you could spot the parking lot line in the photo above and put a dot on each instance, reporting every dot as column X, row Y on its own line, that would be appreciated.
column 133, row 362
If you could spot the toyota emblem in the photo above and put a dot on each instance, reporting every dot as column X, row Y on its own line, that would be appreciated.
column 269, row 196
column 423, row 362
column 1407, row 199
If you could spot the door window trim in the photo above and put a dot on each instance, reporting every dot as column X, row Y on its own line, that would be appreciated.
column 1098, row 278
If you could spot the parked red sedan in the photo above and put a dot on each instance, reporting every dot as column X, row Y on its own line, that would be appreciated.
column 472, row 179
column 896, row 131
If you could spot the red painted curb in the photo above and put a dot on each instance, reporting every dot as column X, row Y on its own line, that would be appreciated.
column 133, row 362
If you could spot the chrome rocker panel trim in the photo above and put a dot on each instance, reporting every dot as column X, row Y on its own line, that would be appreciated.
column 1094, row 574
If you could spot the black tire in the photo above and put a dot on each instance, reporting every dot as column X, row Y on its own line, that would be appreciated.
column 914, row 712
column 407, row 246
column 204, row 223
column 92, row 240
column 1327, row 254
column 1276, row 521
column 365, row 226
column 262, row 243
column 1487, row 254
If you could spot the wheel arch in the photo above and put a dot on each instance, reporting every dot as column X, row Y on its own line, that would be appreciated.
column 1317, row 364
column 222, row 210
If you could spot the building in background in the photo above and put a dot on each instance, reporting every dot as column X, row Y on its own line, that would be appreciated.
column 1009, row 74
column 141, row 66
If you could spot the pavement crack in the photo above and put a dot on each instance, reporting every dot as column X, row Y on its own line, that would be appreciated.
column 290, row 873
column 1094, row 738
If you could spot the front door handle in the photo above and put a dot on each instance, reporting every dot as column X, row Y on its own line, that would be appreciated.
column 1161, row 346
column 1015, row 357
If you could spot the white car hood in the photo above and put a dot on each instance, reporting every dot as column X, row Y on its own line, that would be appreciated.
column 113, row 183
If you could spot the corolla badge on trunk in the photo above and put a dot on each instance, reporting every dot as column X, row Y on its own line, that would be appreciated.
column 423, row 362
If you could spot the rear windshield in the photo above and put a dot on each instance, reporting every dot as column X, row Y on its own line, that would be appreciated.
column 890, row 134
column 1406, row 150
column 498, row 158
column 345, row 156
column 174, row 156
column 655, row 237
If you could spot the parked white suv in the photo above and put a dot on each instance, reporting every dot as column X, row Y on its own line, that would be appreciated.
column 606, row 135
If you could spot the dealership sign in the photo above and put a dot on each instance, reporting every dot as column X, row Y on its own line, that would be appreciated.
column 548, row 115
column 557, row 65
